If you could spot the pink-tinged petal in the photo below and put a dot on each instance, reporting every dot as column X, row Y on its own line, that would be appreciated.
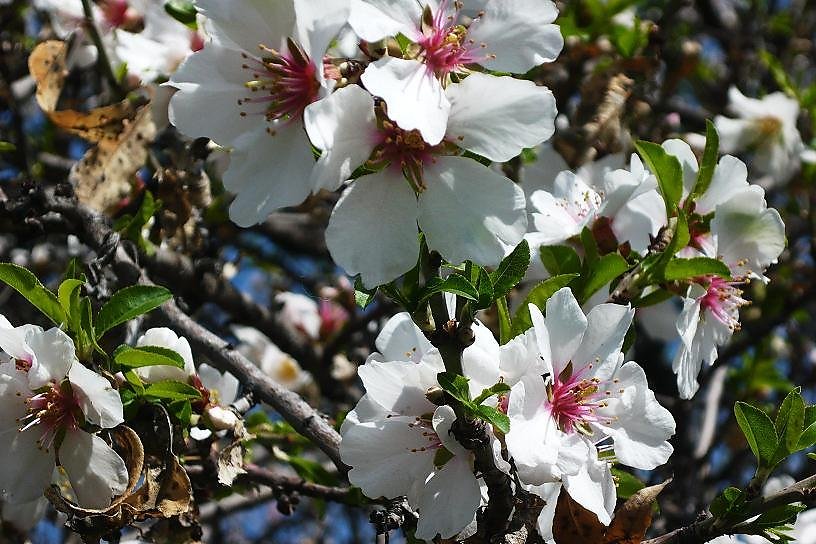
column 498, row 117
column 374, row 20
column 372, row 230
column 415, row 99
column 96, row 471
column 97, row 398
column 344, row 127
column 518, row 34
column 259, row 191
column 468, row 211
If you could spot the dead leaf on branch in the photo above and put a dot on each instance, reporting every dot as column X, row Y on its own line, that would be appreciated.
column 574, row 524
column 121, row 131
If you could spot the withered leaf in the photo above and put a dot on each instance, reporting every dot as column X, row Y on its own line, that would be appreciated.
column 574, row 524
column 633, row 518
column 47, row 65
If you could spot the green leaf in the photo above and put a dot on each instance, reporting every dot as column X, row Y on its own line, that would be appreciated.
column 484, row 286
column 182, row 11
column 182, row 410
column 27, row 284
column 668, row 171
column 626, row 484
column 135, row 382
column 363, row 296
column 456, row 385
column 538, row 296
column 128, row 357
column 590, row 247
column 511, row 270
column 172, row 390
column 6, row 147
column 788, row 424
column 560, row 260
column 68, row 296
column 455, row 283
column 727, row 501
column 759, row 431
column 496, row 389
column 129, row 303
column 808, row 436
column 505, row 325
column 709, row 162
column 602, row 271
column 780, row 515
column 682, row 269
column 132, row 226
column 493, row 416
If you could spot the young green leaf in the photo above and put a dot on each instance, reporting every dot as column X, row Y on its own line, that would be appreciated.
column 68, row 295
column 128, row 357
column 182, row 11
column 788, row 423
column 456, row 385
column 601, row 272
column 493, row 416
column 497, row 389
column 129, row 303
column 511, row 270
column 172, row 391
column 484, row 286
column 709, row 162
column 538, row 296
column 27, row 284
column 626, row 484
column 683, row 269
column 505, row 325
column 668, row 171
column 455, row 283
column 759, row 431
column 560, row 260
column 590, row 247
column 808, row 436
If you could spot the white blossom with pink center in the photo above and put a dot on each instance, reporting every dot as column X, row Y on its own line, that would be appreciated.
column 255, row 76
column 47, row 401
column 465, row 209
column 580, row 407
column 511, row 36
column 399, row 443
column 731, row 221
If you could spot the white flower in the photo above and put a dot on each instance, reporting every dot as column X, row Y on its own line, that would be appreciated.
column 587, row 396
column 743, row 233
column 301, row 313
column 46, row 398
column 466, row 210
column 262, row 66
column 507, row 35
column 398, row 443
column 767, row 126
column 166, row 338
column 221, row 391
column 279, row 366
column 626, row 200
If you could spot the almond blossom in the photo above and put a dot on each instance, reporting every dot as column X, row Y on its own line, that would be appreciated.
column 745, row 234
column 449, row 37
column 47, row 400
column 465, row 209
column 585, row 409
column 262, row 65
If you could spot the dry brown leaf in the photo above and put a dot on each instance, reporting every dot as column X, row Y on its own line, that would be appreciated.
column 104, row 175
column 633, row 518
column 574, row 524
column 47, row 65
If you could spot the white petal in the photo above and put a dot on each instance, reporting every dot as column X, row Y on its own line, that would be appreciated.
column 443, row 419
column 497, row 117
column 25, row 468
column 96, row 472
column 374, row 20
column 544, row 523
column 372, row 230
column 212, row 80
column 343, row 126
column 415, row 99
column 385, row 456
column 533, row 441
column 518, row 33
column 735, row 134
column 317, row 24
column 166, row 338
column 566, row 324
column 251, row 22
column 520, row 356
column 688, row 162
column 258, row 191
column 99, row 401
column 542, row 338
column 601, row 344
column 590, row 488
column 468, row 211
column 448, row 501
column 401, row 340
column 224, row 383
column 398, row 386
column 480, row 360
column 54, row 354
column 24, row 516
column 730, row 177
column 687, row 361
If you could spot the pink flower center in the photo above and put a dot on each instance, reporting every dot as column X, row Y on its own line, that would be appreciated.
column 403, row 149
column 573, row 401
column 424, row 425
column 283, row 82
column 114, row 12
column 52, row 411
column 723, row 300
column 445, row 43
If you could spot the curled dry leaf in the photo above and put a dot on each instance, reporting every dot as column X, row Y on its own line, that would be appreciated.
column 635, row 516
column 121, row 131
column 574, row 524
